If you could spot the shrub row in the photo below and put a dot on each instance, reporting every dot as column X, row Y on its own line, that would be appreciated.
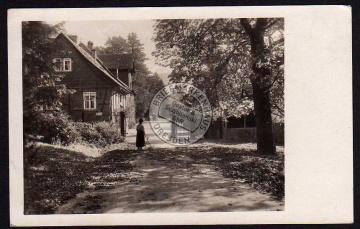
column 58, row 128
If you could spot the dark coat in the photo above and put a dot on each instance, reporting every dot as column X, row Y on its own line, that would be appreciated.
column 140, row 136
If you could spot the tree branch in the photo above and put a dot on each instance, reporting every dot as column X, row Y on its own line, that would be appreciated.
column 246, row 25
column 275, row 79
column 272, row 22
column 261, row 24
column 281, row 40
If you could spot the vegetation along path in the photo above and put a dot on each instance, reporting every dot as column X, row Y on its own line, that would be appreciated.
column 191, row 179
column 171, row 182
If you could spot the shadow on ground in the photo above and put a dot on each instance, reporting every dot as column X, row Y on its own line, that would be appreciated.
column 170, row 180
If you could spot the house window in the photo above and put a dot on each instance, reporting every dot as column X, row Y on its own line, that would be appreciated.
column 62, row 64
column 89, row 100
column 58, row 66
column 67, row 64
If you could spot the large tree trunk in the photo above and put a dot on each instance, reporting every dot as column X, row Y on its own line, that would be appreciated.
column 264, row 133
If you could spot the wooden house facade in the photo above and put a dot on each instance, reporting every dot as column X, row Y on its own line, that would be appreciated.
column 99, row 94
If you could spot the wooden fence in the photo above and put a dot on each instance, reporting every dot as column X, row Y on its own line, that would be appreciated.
column 244, row 135
column 240, row 134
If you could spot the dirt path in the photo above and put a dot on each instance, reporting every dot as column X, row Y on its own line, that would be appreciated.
column 175, row 184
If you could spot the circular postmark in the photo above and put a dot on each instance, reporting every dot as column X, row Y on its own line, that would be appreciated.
column 180, row 114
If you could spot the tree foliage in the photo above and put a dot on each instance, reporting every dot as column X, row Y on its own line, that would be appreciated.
column 215, row 56
column 41, row 87
column 113, row 45
column 147, row 87
column 135, row 47
column 238, row 63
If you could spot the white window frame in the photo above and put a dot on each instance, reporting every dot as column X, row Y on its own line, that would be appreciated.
column 64, row 61
column 62, row 64
column 87, row 101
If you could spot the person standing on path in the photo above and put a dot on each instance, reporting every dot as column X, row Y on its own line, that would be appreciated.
column 140, row 135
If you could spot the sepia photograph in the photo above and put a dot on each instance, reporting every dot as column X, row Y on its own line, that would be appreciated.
column 149, row 116
column 92, row 143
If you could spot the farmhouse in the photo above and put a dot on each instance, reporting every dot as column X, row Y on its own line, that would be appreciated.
column 103, row 87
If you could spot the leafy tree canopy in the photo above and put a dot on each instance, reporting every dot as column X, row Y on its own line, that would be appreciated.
column 238, row 63
column 41, row 88
column 113, row 45
column 215, row 55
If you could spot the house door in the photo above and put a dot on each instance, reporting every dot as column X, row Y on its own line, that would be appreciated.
column 122, row 124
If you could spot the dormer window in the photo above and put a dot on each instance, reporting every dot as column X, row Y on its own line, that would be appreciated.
column 62, row 64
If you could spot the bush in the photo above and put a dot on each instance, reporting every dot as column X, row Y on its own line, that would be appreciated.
column 99, row 134
column 88, row 133
column 56, row 127
column 109, row 132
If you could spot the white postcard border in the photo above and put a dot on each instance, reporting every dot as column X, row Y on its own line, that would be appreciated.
column 318, row 115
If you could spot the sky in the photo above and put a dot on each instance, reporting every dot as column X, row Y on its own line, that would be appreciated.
column 99, row 31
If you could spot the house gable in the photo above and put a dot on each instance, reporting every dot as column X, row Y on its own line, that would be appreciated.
column 86, row 71
column 120, row 65
column 94, row 84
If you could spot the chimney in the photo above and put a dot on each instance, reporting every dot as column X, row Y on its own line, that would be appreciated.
column 90, row 45
column 73, row 38
column 93, row 53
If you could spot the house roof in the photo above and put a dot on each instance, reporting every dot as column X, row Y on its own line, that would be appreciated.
column 96, row 63
column 117, row 61
column 85, row 48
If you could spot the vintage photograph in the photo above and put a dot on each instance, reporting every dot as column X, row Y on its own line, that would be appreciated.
column 163, row 115
column 176, row 116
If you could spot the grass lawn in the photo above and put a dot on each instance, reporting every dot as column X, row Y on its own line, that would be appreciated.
column 54, row 175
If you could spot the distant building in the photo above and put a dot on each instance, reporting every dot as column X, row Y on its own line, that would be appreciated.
column 103, row 87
